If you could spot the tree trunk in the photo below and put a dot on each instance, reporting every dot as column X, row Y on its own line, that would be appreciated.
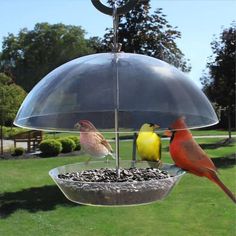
column 229, row 122
column 1, row 133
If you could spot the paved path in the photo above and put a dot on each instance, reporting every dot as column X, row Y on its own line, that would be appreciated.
column 10, row 144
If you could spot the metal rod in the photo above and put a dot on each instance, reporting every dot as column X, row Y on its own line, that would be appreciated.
column 117, row 143
column 134, row 159
column 116, row 77
column 115, row 28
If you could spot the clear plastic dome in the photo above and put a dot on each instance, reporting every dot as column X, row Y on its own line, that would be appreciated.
column 142, row 88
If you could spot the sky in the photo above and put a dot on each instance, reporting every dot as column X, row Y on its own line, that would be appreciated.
column 197, row 20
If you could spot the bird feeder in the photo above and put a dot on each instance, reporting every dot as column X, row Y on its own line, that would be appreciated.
column 117, row 92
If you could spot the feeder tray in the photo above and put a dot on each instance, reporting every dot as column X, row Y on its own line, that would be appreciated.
column 115, row 193
column 117, row 92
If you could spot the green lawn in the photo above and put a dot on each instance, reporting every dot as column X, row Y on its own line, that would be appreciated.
column 111, row 135
column 8, row 132
column 31, row 204
column 211, row 132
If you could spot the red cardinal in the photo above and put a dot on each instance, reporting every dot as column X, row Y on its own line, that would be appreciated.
column 188, row 155
column 92, row 141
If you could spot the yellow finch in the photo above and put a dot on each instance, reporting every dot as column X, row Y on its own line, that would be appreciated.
column 149, row 143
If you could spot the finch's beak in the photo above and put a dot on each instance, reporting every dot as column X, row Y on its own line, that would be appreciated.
column 156, row 126
column 168, row 133
column 77, row 126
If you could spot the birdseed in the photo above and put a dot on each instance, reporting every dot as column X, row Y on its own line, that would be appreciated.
column 109, row 175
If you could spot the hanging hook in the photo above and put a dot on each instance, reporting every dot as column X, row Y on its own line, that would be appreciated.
column 109, row 10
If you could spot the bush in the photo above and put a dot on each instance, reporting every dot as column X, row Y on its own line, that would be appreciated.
column 77, row 142
column 50, row 147
column 68, row 145
column 18, row 151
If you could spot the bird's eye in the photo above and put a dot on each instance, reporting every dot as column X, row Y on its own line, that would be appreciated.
column 151, row 124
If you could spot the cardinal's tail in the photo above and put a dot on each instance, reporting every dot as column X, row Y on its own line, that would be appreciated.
column 213, row 177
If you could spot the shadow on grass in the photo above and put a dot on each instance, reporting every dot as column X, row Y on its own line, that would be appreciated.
column 43, row 198
column 225, row 162
column 222, row 143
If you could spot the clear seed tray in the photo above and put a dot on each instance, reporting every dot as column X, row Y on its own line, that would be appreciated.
column 119, row 193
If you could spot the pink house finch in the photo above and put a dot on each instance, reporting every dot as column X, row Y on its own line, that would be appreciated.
column 92, row 141
column 188, row 155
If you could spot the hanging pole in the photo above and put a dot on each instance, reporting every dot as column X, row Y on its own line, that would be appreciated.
column 115, row 50
column 134, row 159
column 115, row 12
column 115, row 28
column 117, row 143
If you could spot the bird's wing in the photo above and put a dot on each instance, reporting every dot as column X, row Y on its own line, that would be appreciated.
column 103, row 141
column 148, row 146
column 196, row 155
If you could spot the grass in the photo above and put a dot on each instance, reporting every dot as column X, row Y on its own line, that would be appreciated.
column 211, row 132
column 31, row 204
column 111, row 135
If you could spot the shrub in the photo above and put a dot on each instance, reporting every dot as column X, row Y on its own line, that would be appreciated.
column 68, row 145
column 77, row 142
column 50, row 147
column 8, row 132
column 18, row 151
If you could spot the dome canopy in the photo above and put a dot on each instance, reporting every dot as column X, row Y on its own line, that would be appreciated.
column 143, row 90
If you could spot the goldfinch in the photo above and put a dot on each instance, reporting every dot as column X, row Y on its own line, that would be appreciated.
column 149, row 143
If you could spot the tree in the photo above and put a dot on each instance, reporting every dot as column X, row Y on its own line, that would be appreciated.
column 32, row 54
column 11, row 97
column 96, row 44
column 149, row 34
column 219, row 81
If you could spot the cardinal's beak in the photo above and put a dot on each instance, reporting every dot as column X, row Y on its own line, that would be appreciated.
column 167, row 133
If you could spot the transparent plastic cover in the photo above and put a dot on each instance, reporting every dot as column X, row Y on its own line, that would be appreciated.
column 142, row 89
